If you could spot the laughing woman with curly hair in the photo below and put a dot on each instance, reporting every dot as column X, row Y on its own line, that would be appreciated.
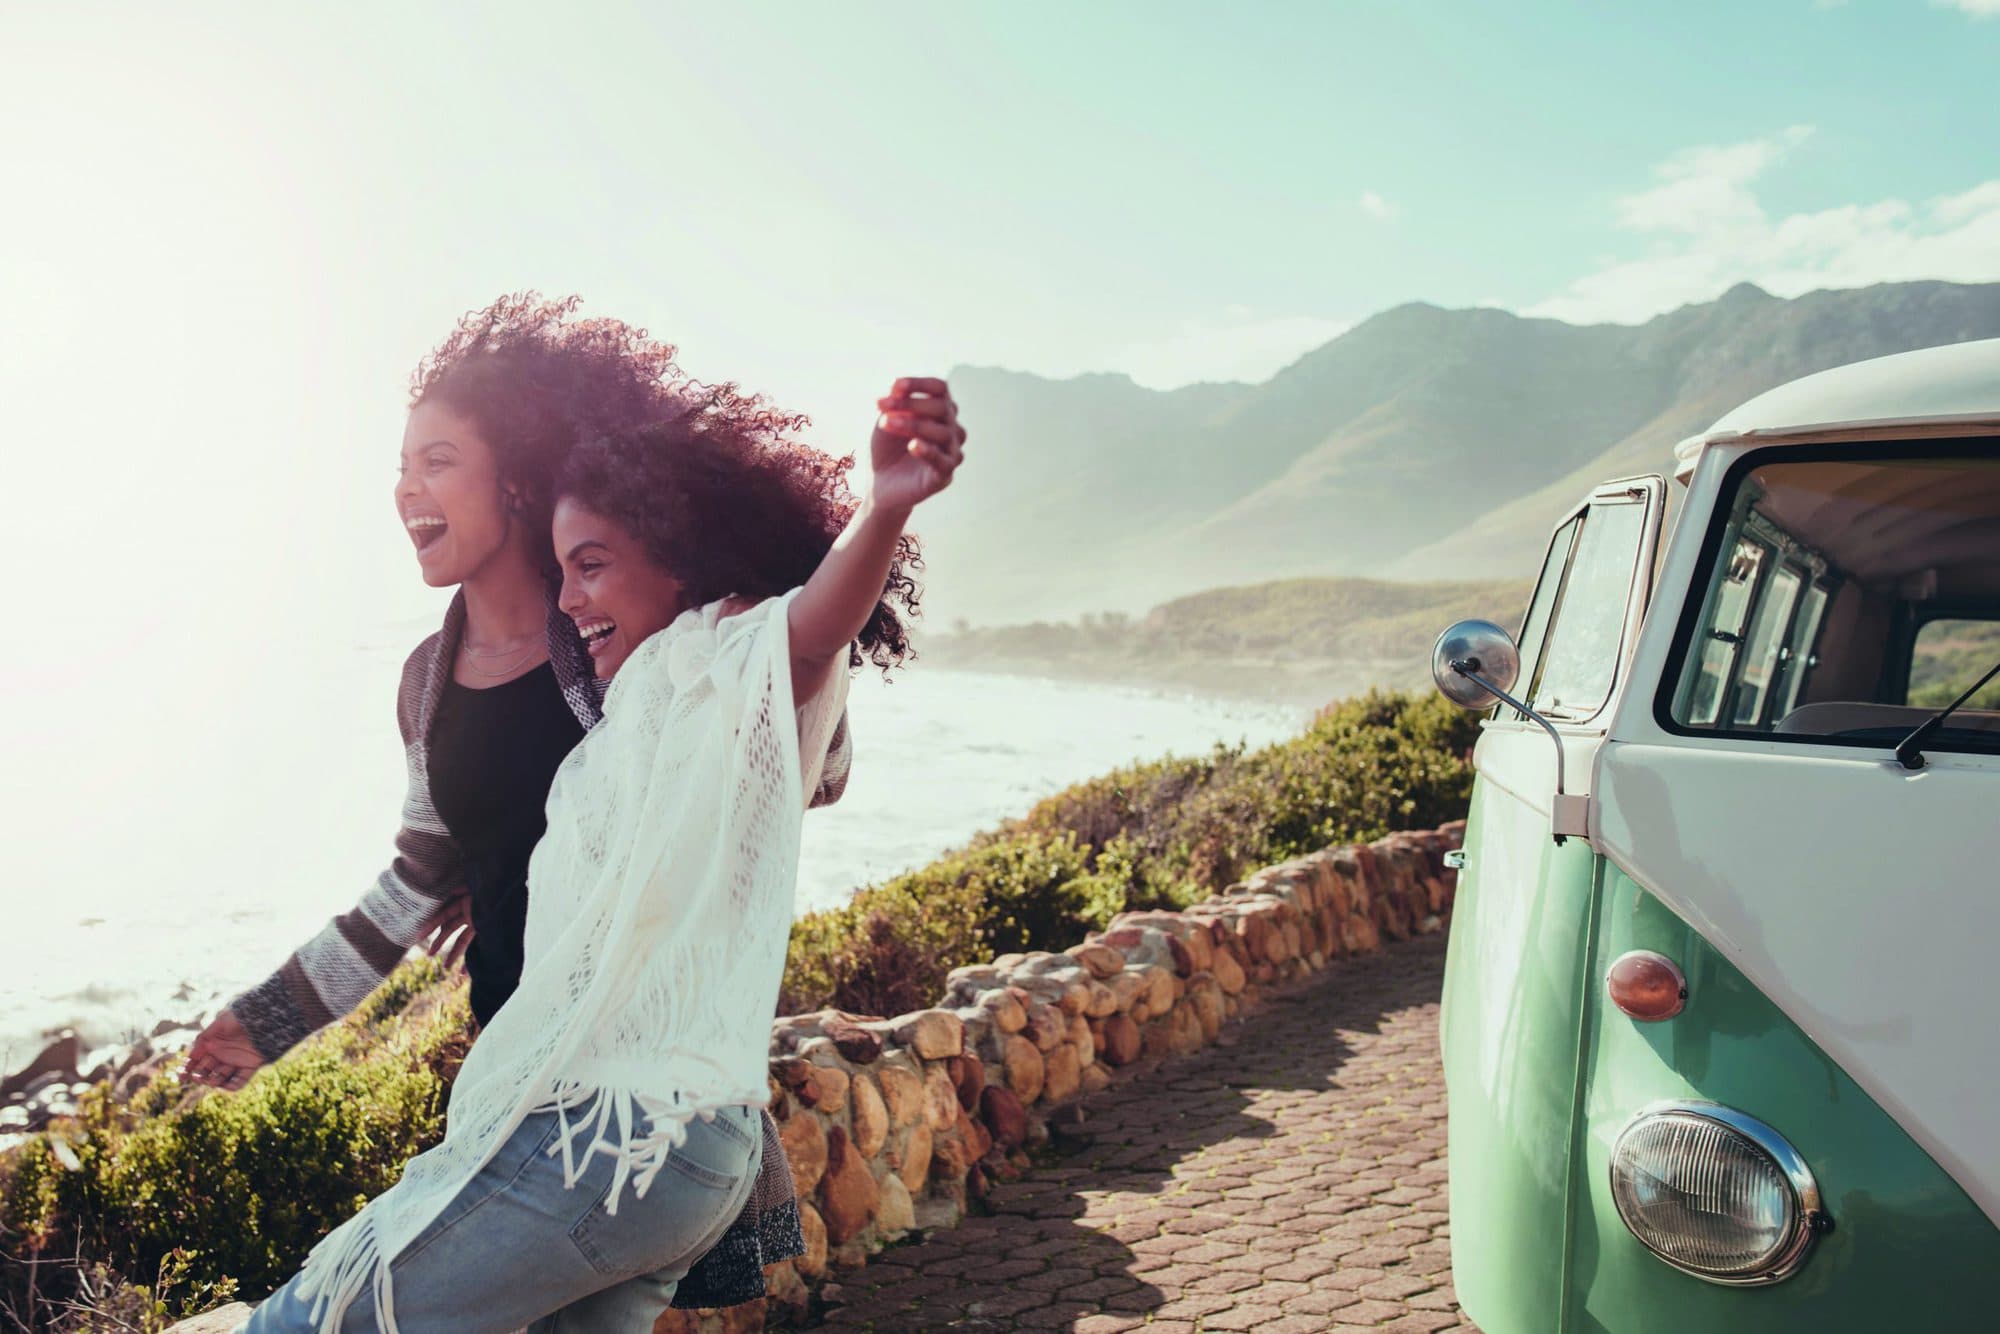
column 601, row 1133
column 492, row 703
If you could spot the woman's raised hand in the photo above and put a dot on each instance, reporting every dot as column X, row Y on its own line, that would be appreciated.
column 918, row 443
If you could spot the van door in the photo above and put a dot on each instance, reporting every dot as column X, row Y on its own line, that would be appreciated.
column 1512, row 1010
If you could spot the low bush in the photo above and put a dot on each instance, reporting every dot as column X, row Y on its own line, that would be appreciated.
column 212, row 1191
column 1162, row 834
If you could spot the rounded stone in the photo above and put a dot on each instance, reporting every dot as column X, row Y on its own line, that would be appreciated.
column 1100, row 959
column 805, row 1145
column 1102, row 1001
column 1006, row 1119
column 896, row 1214
column 1228, row 973
column 813, row 1263
column 1025, row 1069
column 1123, row 1042
column 848, row 1195
column 968, row 1076
column 1046, row 1025
column 869, row 1115
column 932, row 1034
column 1062, row 1071
column 911, row 1160
column 829, row 1086
column 904, row 1094
column 940, row 1099
column 1009, row 1015
column 853, row 1042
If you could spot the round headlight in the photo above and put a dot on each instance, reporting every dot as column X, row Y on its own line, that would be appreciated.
column 1715, row 1193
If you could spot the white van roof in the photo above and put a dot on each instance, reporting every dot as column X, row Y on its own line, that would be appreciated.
column 1935, row 391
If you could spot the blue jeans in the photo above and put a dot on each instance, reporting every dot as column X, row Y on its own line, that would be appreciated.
column 515, row 1248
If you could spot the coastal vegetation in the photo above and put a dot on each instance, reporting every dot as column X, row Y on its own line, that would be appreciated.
column 126, row 1217
column 1163, row 834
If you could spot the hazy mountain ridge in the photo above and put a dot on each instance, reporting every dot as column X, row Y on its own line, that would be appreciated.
column 1422, row 443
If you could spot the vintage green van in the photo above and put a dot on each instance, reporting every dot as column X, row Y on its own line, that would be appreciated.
column 1718, row 1047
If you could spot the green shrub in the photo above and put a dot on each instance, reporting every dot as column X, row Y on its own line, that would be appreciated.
column 243, row 1184
column 1162, row 834
column 887, row 950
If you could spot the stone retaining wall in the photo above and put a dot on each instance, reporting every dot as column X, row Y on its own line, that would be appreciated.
column 897, row 1125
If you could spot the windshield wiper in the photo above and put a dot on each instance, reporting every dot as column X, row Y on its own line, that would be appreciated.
column 1909, row 751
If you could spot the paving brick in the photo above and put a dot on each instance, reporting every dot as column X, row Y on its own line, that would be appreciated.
column 1289, row 1179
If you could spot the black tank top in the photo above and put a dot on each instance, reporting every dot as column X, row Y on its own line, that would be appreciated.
column 493, row 754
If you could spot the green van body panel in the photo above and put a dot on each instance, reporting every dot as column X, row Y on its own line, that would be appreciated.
column 1510, row 1032
column 1909, row 1250
column 1542, row 1074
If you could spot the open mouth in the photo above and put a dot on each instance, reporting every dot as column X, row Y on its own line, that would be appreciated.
column 426, row 530
column 596, row 635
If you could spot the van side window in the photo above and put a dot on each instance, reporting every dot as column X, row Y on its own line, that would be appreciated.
column 1723, row 635
column 1535, row 628
column 1948, row 656
column 1850, row 591
column 1578, row 658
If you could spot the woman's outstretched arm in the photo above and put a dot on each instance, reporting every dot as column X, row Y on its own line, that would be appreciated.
column 916, row 448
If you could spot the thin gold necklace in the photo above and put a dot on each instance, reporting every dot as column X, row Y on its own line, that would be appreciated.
column 473, row 655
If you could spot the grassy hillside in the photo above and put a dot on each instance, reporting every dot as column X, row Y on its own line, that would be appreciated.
column 1297, row 640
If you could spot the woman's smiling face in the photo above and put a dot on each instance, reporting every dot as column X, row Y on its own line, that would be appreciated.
column 449, row 495
column 611, row 588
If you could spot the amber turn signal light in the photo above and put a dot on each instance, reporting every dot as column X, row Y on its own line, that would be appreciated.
column 1647, row 986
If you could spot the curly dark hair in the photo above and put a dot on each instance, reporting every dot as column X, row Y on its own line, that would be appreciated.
column 535, row 380
column 729, row 503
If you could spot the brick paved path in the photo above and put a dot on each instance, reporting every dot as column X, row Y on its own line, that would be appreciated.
column 1291, row 1178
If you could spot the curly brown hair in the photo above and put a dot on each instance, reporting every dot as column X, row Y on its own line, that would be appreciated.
column 535, row 380
column 729, row 503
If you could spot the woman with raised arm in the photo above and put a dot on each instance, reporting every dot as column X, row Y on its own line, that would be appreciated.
column 492, row 702
column 601, row 1133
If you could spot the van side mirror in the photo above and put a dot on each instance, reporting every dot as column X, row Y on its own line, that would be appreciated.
column 1474, row 649
column 1475, row 664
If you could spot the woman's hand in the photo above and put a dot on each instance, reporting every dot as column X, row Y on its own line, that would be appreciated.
column 918, row 443
column 222, row 1054
column 454, row 915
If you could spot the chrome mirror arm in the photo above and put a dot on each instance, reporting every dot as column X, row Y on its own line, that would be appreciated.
column 1565, row 815
column 1469, row 669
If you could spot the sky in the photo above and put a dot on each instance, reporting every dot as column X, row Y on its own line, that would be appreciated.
column 229, row 232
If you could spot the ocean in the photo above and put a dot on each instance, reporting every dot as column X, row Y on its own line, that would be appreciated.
column 180, row 847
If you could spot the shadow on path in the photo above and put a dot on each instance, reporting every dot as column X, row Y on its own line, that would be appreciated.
column 1289, row 1178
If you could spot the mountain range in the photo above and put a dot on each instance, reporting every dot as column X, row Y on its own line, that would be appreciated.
column 1422, row 444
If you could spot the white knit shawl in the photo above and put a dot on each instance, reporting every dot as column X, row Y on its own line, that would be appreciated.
column 659, row 905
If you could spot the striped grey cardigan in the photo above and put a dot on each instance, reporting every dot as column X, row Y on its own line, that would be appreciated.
column 334, row 971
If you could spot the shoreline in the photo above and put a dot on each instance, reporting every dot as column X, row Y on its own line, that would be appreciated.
column 107, row 1035
column 1297, row 683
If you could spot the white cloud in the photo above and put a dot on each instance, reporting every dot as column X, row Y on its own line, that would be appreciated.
column 1979, row 9
column 1375, row 206
column 1237, row 345
column 1708, row 231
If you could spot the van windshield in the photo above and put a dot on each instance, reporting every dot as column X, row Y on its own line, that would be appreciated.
column 1847, row 595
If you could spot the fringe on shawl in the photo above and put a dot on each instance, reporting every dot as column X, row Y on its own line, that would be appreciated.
column 637, row 1157
column 347, row 1262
